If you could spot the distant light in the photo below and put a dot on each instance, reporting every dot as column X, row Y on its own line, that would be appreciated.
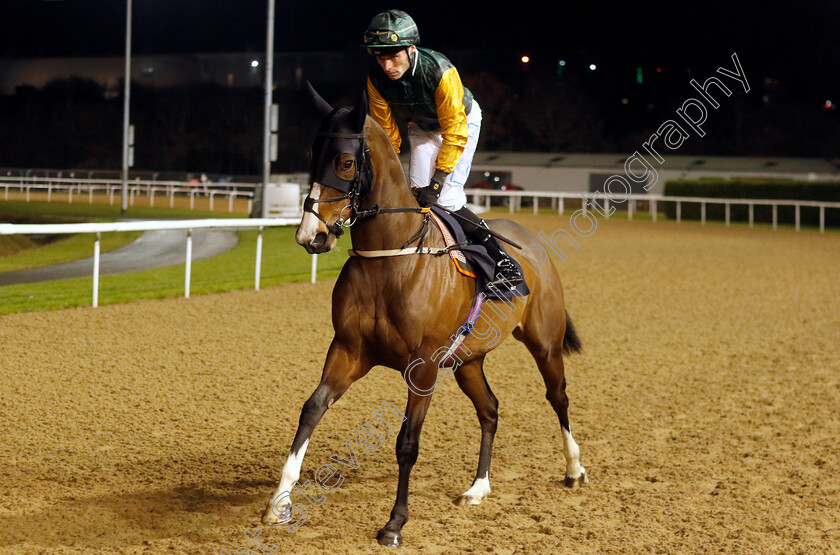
column 525, row 59
column 828, row 104
column 625, row 101
column 562, row 62
column 659, row 70
column 592, row 67
column 255, row 63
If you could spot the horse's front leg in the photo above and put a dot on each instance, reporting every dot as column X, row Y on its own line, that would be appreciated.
column 341, row 368
column 408, row 446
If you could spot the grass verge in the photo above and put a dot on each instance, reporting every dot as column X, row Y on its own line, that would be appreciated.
column 19, row 253
column 283, row 261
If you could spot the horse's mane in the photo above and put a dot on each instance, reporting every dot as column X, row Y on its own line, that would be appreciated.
column 381, row 148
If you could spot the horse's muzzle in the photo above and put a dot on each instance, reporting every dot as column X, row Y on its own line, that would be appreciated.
column 321, row 242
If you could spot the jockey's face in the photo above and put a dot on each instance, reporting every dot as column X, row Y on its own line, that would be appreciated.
column 395, row 65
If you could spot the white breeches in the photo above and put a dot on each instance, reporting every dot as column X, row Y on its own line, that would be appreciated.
column 425, row 146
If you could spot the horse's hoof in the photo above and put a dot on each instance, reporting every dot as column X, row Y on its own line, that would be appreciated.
column 276, row 515
column 465, row 499
column 389, row 538
column 575, row 483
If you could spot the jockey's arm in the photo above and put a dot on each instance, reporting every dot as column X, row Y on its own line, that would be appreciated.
column 381, row 112
column 452, row 117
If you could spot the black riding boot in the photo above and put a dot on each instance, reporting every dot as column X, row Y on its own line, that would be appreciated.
column 506, row 270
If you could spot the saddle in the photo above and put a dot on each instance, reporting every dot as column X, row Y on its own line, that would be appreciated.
column 472, row 260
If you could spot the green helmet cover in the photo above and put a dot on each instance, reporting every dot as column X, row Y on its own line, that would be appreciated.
column 390, row 29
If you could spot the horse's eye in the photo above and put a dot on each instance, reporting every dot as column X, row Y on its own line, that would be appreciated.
column 343, row 165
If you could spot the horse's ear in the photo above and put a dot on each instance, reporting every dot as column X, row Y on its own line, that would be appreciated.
column 320, row 104
column 357, row 116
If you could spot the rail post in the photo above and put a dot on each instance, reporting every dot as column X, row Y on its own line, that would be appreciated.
column 96, row 251
column 188, row 268
column 258, row 263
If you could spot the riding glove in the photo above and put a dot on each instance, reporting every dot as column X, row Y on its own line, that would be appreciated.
column 427, row 196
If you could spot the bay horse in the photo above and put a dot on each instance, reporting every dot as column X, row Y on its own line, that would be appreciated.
column 392, row 310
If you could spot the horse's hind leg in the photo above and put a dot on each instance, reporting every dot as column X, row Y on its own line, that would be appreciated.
column 471, row 380
column 545, row 345
column 341, row 369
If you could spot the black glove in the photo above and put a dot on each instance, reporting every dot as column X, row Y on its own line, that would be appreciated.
column 427, row 196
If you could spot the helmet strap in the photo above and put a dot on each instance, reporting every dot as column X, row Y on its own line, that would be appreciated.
column 412, row 58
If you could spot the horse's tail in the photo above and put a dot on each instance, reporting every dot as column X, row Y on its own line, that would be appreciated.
column 571, row 341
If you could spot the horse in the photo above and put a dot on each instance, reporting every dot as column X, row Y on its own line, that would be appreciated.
column 392, row 311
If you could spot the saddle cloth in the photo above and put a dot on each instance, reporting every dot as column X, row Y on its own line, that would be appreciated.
column 473, row 260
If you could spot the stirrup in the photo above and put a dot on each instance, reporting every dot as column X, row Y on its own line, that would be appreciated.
column 506, row 273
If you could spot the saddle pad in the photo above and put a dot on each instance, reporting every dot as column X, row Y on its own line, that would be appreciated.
column 481, row 266
column 456, row 255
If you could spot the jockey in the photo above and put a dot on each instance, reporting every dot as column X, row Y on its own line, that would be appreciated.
column 421, row 88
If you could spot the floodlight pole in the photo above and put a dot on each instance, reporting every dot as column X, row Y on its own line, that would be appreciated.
column 261, row 204
column 126, row 94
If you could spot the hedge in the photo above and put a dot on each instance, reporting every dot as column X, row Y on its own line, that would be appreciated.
column 775, row 189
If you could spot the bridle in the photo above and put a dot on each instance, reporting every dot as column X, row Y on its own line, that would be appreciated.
column 354, row 189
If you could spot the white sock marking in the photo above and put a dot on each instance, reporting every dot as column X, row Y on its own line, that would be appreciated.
column 479, row 490
column 572, row 454
column 291, row 473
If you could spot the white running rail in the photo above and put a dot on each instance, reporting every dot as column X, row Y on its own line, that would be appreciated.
column 188, row 225
column 482, row 196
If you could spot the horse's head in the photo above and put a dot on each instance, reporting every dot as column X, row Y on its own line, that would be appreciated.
column 340, row 175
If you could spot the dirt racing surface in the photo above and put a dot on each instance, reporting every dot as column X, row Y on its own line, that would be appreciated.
column 706, row 405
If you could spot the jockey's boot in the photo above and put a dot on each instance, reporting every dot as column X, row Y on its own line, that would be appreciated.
column 506, row 270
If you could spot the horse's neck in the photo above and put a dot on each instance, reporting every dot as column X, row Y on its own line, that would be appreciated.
column 389, row 190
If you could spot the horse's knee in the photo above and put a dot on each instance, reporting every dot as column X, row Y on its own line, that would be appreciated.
column 313, row 409
column 407, row 451
column 488, row 416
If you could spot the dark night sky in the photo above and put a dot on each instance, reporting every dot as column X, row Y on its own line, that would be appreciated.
column 797, row 41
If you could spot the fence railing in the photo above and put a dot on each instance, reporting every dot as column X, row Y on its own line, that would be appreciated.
column 188, row 225
column 654, row 202
column 479, row 196
column 170, row 189
column 69, row 187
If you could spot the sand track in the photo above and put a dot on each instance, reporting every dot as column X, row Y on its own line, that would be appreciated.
column 706, row 405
